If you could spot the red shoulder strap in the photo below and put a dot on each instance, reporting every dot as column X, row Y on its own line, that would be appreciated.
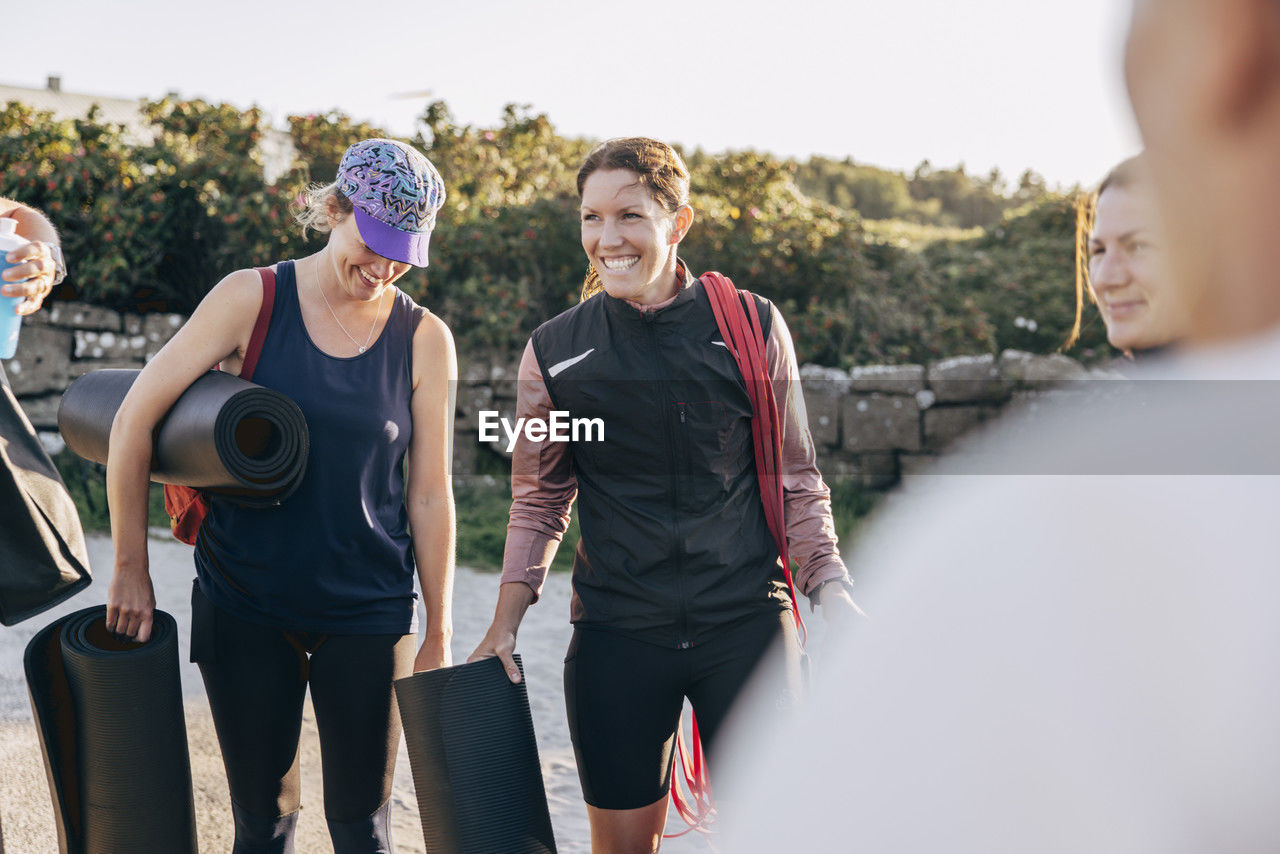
column 739, row 322
column 260, row 325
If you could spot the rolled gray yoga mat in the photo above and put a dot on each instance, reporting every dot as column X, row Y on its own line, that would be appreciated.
column 224, row 435
column 114, row 737
column 475, row 762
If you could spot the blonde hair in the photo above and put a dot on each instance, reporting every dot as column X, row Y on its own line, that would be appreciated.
column 660, row 169
column 312, row 209
column 1127, row 174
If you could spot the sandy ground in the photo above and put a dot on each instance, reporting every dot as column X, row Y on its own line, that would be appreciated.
column 26, row 810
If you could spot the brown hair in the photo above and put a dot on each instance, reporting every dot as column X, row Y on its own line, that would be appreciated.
column 660, row 168
column 1129, row 173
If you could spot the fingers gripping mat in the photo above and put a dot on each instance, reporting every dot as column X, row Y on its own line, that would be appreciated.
column 112, row 730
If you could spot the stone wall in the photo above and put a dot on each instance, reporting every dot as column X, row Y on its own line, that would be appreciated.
column 68, row 340
column 871, row 424
column 875, row 423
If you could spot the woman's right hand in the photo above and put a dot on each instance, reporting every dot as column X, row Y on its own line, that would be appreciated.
column 131, row 603
column 499, row 641
column 514, row 598
column 218, row 329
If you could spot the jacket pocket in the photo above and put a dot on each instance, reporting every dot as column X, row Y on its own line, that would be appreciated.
column 702, row 431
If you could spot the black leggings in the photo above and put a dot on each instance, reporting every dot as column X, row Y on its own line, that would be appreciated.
column 256, row 678
column 624, row 697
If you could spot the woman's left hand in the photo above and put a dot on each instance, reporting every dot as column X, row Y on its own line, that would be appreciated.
column 433, row 654
column 32, row 276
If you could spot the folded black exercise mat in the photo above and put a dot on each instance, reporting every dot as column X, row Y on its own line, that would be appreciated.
column 475, row 762
column 224, row 435
column 43, row 559
column 114, row 737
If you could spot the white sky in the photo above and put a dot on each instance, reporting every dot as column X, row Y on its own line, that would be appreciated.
column 1008, row 83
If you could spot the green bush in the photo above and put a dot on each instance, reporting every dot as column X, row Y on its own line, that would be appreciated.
column 1020, row 277
column 87, row 484
column 154, row 222
column 87, row 178
column 483, row 505
column 949, row 198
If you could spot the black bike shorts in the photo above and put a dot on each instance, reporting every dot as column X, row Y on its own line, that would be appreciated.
column 624, row 698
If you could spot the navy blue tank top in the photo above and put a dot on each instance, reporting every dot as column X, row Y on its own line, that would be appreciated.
column 336, row 556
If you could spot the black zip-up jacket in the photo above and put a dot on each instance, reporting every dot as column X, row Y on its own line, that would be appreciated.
column 674, row 542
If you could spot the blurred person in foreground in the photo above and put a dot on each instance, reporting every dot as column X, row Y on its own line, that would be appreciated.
column 1079, row 654
column 1122, row 264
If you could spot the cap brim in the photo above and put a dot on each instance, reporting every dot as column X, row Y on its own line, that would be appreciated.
column 392, row 243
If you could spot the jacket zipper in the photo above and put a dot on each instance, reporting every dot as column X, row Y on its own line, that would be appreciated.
column 682, row 610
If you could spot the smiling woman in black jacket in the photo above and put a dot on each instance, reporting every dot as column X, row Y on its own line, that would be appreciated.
column 678, row 589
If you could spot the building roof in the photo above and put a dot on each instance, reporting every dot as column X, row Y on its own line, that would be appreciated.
column 75, row 105
column 276, row 146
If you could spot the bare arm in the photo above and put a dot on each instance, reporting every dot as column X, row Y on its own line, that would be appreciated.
column 429, row 498
column 220, row 327
column 34, row 271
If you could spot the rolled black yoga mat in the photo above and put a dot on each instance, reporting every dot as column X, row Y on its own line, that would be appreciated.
column 114, row 737
column 224, row 434
column 475, row 762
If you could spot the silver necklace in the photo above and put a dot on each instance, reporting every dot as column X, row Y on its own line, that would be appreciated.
column 376, row 316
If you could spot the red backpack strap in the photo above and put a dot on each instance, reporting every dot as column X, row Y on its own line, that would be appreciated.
column 260, row 326
column 186, row 506
column 739, row 322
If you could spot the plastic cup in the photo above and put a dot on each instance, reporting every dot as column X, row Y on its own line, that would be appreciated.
column 10, row 322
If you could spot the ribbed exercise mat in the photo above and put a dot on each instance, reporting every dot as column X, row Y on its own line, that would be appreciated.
column 224, row 434
column 111, row 726
column 475, row 762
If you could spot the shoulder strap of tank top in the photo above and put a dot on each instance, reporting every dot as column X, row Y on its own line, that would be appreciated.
column 260, row 326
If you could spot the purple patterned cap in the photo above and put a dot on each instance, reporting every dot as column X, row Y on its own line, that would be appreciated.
column 396, row 193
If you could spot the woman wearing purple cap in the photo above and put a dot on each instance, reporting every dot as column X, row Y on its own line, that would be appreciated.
column 317, row 591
